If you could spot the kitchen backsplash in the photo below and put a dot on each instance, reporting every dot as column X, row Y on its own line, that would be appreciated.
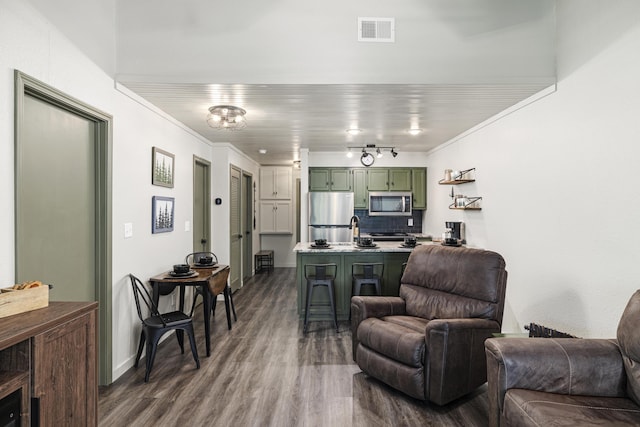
column 390, row 224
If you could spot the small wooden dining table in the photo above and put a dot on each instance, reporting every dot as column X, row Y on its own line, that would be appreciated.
column 212, row 280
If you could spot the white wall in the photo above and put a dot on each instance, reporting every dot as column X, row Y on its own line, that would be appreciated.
column 559, row 179
column 28, row 42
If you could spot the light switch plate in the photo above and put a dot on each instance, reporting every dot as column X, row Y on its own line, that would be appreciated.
column 410, row 222
column 128, row 230
column 187, row 225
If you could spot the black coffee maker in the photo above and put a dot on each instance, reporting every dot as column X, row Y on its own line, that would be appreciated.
column 457, row 230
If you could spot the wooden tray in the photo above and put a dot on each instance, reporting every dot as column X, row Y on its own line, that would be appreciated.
column 18, row 301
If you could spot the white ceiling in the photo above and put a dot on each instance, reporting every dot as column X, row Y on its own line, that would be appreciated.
column 298, row 70
column 284, row 118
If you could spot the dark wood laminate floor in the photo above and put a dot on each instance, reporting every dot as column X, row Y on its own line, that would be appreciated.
column 265, row 372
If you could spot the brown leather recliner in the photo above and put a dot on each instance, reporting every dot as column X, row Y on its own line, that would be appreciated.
column 567, row 381
column 429, row 341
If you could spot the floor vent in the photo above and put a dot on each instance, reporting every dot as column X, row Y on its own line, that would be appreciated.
column 377, row 30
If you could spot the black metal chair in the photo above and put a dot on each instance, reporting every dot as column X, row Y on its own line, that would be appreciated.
column 367, row 274
column 157, row 324
column 194, row 259
column 320, row 275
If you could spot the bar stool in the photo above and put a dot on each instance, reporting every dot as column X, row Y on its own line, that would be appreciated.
column 320, row 275
column 367, row 274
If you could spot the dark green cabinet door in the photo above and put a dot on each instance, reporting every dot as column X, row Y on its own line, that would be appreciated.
column 360, row 193
column 419, row 185
column 400, row 179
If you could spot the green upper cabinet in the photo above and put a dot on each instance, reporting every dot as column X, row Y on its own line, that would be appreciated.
column 419, row 188
column 363, row 180
column 319, row 179
column 360, row 193
column 330, row 179
column 340, row 179
column 399, row 179
column 378, row 179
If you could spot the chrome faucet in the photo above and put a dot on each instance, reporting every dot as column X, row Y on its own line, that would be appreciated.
column 355, row 220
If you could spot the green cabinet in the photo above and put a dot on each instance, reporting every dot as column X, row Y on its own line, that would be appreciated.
column 378, row 179
column 399, row 179
column 360, row 192
column 389, row 179
column 393, row 272
column 419, row 188
column 343, row 283
column 330, row 179
column 363, row 180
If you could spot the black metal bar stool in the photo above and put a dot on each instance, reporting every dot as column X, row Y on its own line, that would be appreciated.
column 320, row 275
column 367, row 274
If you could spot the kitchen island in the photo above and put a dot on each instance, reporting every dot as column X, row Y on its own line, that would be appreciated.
column 391, row 254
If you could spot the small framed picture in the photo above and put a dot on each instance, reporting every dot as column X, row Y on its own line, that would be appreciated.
column 162, row 168
column 162, row 214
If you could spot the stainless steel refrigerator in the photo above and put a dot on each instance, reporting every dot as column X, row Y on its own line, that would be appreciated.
column 329, row 215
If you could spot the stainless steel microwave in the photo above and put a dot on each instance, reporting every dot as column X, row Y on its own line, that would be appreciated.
column 385, row 203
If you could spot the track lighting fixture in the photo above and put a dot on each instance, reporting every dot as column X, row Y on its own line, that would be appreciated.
column 371, row 147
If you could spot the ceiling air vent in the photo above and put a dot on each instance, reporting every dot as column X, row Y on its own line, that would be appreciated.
column 377, row 30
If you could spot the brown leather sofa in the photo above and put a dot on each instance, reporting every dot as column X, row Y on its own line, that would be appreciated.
column 567, row 381
column 429, row 341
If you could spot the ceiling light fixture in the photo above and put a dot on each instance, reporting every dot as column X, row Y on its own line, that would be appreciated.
column 414, row 131
column 262, row 151
column 371, row 147
column 226, row 117
column 354, row 131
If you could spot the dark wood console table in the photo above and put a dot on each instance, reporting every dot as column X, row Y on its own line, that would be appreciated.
column 51, row 355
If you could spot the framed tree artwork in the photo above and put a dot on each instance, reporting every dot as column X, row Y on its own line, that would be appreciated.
column 162, row 168
column 162, row 215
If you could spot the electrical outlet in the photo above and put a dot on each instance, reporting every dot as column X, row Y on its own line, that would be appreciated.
column 410, row 222
column 128, row 230
column 173, row 301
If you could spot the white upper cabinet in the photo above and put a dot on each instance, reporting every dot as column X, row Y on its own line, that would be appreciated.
column 275, row 183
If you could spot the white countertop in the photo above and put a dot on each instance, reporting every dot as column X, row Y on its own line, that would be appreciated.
column 381, row 246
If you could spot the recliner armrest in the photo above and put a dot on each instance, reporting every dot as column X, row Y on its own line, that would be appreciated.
column 590, row 367
column 363, row 307
column 456, row 350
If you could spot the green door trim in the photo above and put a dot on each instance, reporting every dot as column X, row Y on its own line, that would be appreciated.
column 26, row 85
